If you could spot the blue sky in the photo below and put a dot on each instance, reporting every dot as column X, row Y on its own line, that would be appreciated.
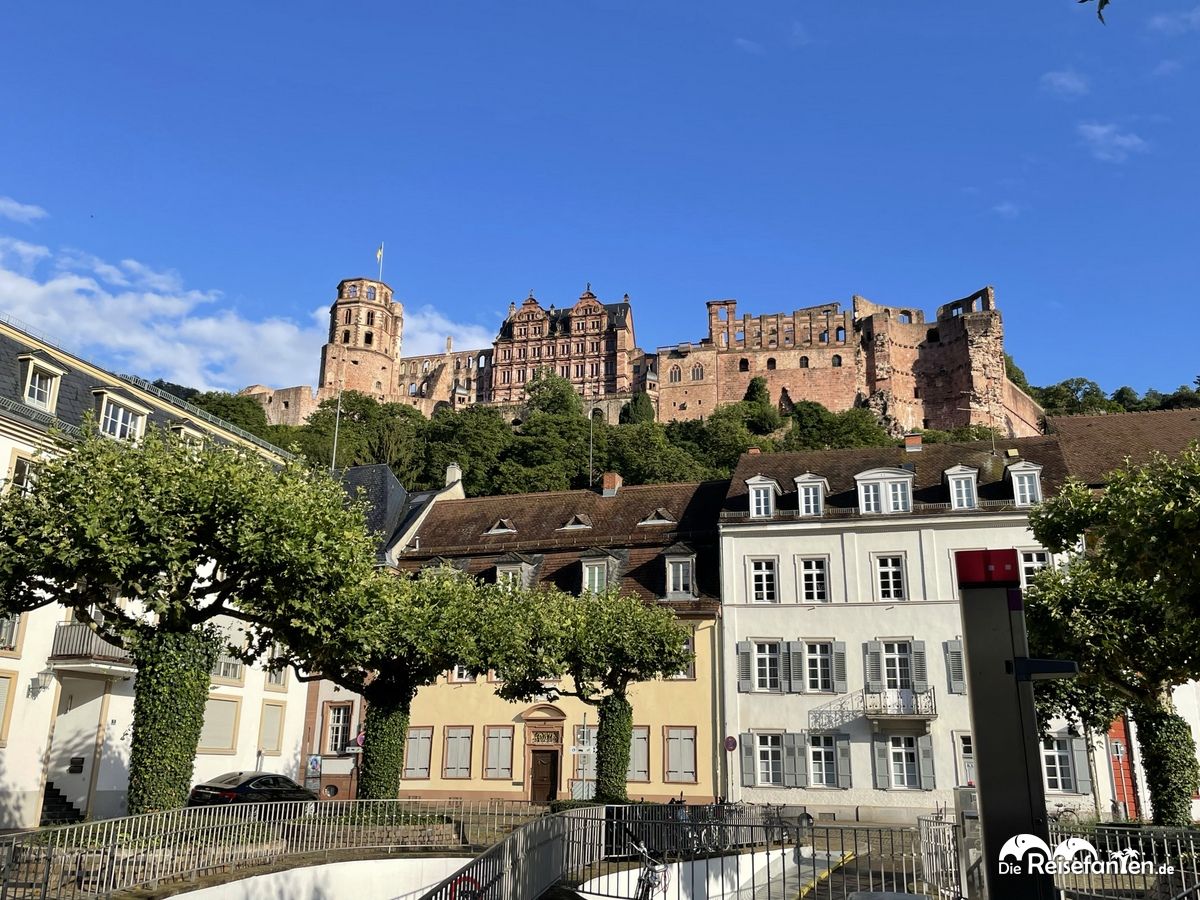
column 182, row 186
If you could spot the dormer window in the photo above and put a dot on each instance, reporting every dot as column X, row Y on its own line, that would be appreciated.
column 884, row 491
column 41, row 382
column 120, row 418
column 508, row 576
column 1027, row 483
column 962, row 481
column 810, row 494
column 502, row 526
column 681, row 571
column 763, row 491
column 577, row 521
column 660, row 516
column 595, row 576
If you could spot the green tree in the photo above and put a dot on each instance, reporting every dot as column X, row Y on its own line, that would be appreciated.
column 1074, row 396
column 237, row 409
column 643, row 455
column 163, row 538
column 758, row 392
column 638, row 410
column 603, row 643
column 476, row 438
column 1127, row 398
column 178, row 390
column 1126, row 609
column 1016, row 374
column 816, row 428
column 552, row 394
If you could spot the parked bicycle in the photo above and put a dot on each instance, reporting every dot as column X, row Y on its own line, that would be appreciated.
column 701, row 830
column 1063, row 815
column 653, row 876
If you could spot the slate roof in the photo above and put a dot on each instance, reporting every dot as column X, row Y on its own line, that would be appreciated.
column 839, row 467
column 559, row 319
column 386, row 499
column 1095, row 445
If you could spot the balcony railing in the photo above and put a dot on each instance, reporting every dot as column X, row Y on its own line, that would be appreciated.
column 853, row 512
column 75, row 640
column 890, row 704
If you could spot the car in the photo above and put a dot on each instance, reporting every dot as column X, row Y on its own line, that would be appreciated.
column 248, row 787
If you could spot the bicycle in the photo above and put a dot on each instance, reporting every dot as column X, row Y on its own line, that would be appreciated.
column 1063, row 815
column 653, row 875
column 775, row 822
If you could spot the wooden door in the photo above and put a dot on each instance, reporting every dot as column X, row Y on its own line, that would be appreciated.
column 543, row 780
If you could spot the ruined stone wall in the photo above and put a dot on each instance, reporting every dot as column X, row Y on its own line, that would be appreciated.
column 285, row 406
column 1023, row 416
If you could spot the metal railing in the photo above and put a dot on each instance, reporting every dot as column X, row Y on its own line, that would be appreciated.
column 897, row 703
column 851, row 512
column 99, row 858
column 77, row 640
column 1128, row 861
column 939, row 841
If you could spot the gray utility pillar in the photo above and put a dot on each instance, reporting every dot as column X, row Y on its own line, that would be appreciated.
column 1008, row 763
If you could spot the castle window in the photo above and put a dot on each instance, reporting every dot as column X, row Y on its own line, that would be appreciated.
column 425, row 366
column 412, row 390
column 771, row 364
column 697, row 372
column 824, row 337
column 370, row 293
column 836, row 361
column 345, row 337
column 371, row 318
column 841, row 333
column 932, row 336
column 743, row 365
column 348, row 315
column 379, row 386
column 352, row 291
column 675, row 375
column 482, row 361
column 368, row 339
column 424, row 388
column 804, row 362
column 457, row 364
column 905, row 317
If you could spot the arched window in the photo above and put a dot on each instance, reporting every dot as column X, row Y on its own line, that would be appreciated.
column 743, row 365
column 771, row 364
column 804, row 362
column 824, row 338
column 345, row 337
column 348, row 314
column 352, row 291
column 424, row 388
column 697, row 372
column 371, row 318
column 457, row 364
column 412, row 390
column 425, row 366
column 675, row 375
column 841, row 333
column 379, row 385
column 368, row 339
column 837, row 361
column 482, row 361
column 370, row 293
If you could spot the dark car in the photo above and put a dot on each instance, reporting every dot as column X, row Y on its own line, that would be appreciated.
column 248, row 787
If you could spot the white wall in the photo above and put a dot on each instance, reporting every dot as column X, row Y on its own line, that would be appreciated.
column 375, row 879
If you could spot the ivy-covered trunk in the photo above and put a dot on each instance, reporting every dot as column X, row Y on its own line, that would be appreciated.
column 1169, row 759
column 613, row 736
column 173, row 673
column 383, row 741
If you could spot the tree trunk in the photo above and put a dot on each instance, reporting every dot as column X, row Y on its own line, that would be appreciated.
column 613, row 736
column 1169, row 759
column 169, row 695
column 383, row 741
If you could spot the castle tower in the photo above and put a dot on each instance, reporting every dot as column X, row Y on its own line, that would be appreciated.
column 365, row 331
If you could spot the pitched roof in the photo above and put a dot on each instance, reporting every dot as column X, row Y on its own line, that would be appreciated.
column 385, row 498
column 1095, row 445
column 928, row 465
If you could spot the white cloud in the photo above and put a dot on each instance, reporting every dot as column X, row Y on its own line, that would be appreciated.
column 1166, row 68
column 748, row 46
column 1176, row 22
column 1065, row 83
column 1109, row 144
column 1007, row 210
column 800, row 35
column 134, row 319
column 20, row 212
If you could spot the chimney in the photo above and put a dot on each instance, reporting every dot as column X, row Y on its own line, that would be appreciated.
column 453, row 473
column 610, row 483
column 449, row 344
column 754, row 451
column 912, row 442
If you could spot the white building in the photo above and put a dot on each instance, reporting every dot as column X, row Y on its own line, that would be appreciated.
column 66, row 697
column 842, row 639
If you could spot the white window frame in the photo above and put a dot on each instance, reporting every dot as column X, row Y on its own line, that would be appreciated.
column 22, row 475
column 681, row 576
column 1026, row 478
column 768, row 750
column 811, row 491
column 510, row 576
column 1030, row 565
column 903, row 748
column 39, row 366
column 767, row 662
column 595, row 576
column 963, row 483
column 885, row 491
column 753, row 572
column 822, row 761
column 762, row 501
column 897, row 577
column 1058, row 758
column 896, row 665
column 137, row 414
column 870, row 498
column 814, row 569
column 818, row 662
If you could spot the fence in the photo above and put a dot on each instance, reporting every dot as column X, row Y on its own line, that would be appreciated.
column 100, row 858
column 1128, row 862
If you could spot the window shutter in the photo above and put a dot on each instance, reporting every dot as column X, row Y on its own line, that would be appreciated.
column 842, row 743
column 687, row 753
column 1083, row 774
column 920, row 668
column 795, row 652
column 839, row 667
column 925, row 761
column 745, row 664
column 874, row 667
column 785, row 666
column 639, row 755
column 956, row 668
column 795, row 772
column 493, row 754
column 883, row 777
column 746, row 742
column 270, row 728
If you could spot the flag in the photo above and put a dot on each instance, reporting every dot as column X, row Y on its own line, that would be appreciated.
column 379, row 253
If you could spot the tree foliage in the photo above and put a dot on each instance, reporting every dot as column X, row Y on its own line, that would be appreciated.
column 637, row 411
column 238, row 409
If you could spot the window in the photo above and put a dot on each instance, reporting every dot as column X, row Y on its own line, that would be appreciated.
column 277, row 679
column 762, row 501
column 498, row 741
column 370, row 293
column 762, row 581
column 681, row 754
column 508, row 576
column 766, row 666
column 23, row 475
column 890, row 572
column 416, row 752
column 120, row 420
column 10, row 627
column 804, row 362
column 461, row 675
column 368, row 339
column 822, row 760
column 506, row 353
column 679, row 576
column 595, row 577
column 639, row 754
column 674, row 375
column 962, row 492
column 836, row 362
column 370, row 317
column 770, row 758
column 346, row 318
column 812, row 580
column 818, row 657
column 688, row 672
column 594, row 347
column 897, row 665
column 1056, row 758
column 337, row 727
column 41, row 386
column 353, row 290
column 270, row 728
column 743, row 365
column 810, row 500
column 697, row 372
column 7, row 681
column 1026, row 489
column 219, row 732
column 228, row 669
column 457, row 763
column 898, row 497
column 1031, row 562
column 870, row 500
column 904, row 761
column 345, row 337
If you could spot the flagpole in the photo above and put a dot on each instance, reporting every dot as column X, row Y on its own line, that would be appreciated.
column 381, row 261
column 337, row 423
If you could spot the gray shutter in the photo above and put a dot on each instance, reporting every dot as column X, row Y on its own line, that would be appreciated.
column 1083, row 774
column 925, row 761
column 955, row 667
column 504, row 763
column 795, row 652
column 874, row 667
column 841, row 743
column 795, row 770
column 839, row 667
column 785, row 666
column 746, row 742
column 745, row 667
column 883, row 775
column 920, row 668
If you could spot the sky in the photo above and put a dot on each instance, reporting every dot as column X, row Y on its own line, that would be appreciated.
column 183, row 185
